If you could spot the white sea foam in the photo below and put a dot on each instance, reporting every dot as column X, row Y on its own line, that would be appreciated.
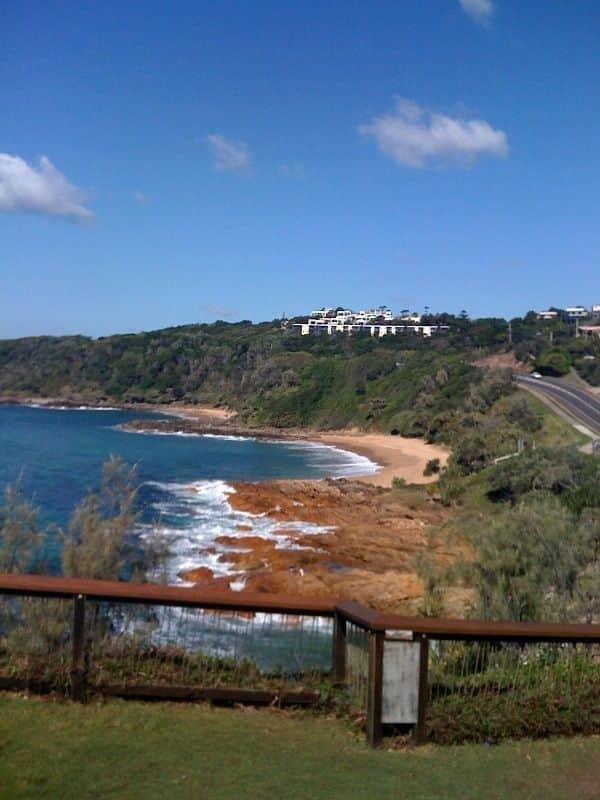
column 190, row 434
column 227, row 437
column 71, row 408
column 155, row 432
column 345, row 463
column 196, row 514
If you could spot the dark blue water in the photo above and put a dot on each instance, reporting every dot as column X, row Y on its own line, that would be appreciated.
column 57, row 456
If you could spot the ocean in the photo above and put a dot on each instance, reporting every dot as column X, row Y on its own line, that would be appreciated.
column 57, row 454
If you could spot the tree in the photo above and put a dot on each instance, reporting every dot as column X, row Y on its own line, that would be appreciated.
column 553, row 362
column 20, row 536
column 99, row 541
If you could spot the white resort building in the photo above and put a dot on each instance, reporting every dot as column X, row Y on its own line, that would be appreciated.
column 380, row 321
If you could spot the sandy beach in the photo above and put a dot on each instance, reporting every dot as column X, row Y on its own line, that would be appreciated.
column 398, row 456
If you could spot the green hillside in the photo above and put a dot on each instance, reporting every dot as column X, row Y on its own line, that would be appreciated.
column 397, row 384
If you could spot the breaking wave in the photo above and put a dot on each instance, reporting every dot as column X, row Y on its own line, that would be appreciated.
column 194, row 515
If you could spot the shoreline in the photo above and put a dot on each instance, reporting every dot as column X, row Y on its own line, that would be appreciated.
column 349, row 536
column 326, row 538
column 394, row 456
column 390, row 456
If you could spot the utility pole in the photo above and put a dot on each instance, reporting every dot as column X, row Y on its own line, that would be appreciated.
column 510, row 333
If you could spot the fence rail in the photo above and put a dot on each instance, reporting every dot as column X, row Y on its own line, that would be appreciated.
column 443, row 679
column 162, row 594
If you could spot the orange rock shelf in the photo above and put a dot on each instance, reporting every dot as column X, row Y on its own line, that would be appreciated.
column 368, row 556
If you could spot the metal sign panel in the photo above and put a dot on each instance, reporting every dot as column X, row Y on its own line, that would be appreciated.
column 400, row 682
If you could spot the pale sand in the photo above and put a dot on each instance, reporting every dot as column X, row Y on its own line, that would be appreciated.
column 206, row 414
column 398, row 456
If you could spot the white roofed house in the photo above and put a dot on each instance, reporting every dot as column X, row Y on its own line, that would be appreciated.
column 576, row 312
column 547, row 315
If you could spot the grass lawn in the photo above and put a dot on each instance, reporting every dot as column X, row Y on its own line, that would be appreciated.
column 52, row 749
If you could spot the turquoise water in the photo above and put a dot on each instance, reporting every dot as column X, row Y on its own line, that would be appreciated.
column 57, row 455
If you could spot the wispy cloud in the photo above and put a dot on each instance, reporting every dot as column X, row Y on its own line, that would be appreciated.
column 228, row 156
column 41, row 190
column 415, row 137
column 480, row 11
column 291, row 170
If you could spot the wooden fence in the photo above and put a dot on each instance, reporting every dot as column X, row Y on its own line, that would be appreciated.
column 407, row 673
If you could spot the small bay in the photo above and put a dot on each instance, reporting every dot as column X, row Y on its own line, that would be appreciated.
column 57, row 456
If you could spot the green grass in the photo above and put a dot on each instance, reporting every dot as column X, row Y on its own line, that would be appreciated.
column 51, row 749
column 556, row 431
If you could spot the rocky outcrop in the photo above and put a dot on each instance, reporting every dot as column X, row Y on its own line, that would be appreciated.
column 368, row 555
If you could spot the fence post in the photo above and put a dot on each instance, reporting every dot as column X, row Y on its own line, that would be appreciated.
column 420, row 733
column 338, row 656
column 78, row 654
column 375, row 687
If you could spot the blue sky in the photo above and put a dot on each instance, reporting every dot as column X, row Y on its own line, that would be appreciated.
column 166, row 163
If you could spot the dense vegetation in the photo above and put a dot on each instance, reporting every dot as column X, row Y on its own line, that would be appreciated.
column 531, row 530
column 554, row 348
column 398, row 384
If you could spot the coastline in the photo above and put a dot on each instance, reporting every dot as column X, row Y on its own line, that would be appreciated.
column 392, row 456
column 348, row 536
column 345, row 536
column 327, row 538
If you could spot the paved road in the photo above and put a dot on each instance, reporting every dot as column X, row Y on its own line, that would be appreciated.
column 583, row 406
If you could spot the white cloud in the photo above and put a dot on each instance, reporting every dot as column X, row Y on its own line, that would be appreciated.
column 414, row 137
column 44, row 190
column 480, row 11
column 229, row 156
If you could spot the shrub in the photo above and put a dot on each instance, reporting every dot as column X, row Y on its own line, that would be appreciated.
column 432, row 467
column 553, row 362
